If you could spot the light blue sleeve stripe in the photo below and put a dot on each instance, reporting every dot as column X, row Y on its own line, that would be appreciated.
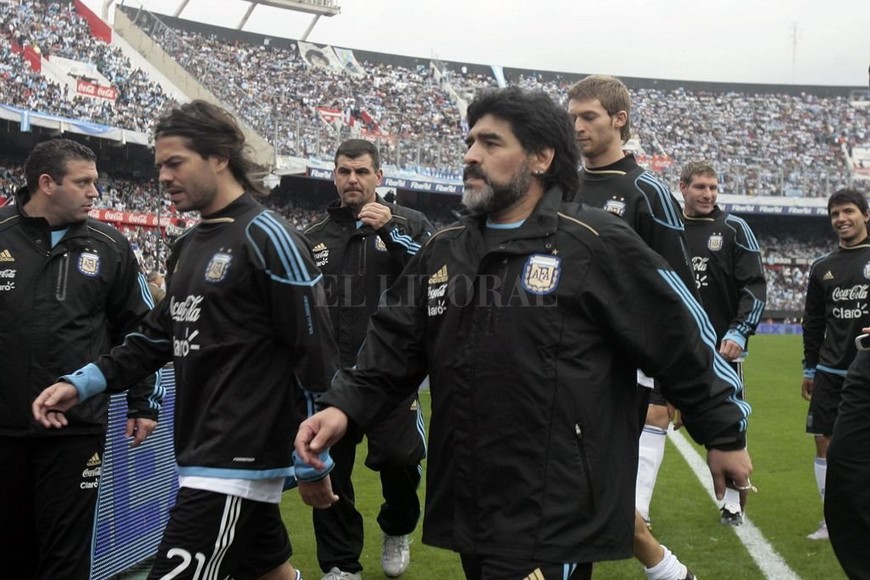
column 288, row 252
column 283, row 245
column 405, row 240
column 734, row 335
column 720, row 367
column 144, row 291
column 672, row 219
column 147, row 338
column 155, row 399
column 751, row 241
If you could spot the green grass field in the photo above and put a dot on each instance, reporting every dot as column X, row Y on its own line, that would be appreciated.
column 785, row 509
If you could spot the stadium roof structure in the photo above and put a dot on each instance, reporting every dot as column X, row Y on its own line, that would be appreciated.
column 317, row 8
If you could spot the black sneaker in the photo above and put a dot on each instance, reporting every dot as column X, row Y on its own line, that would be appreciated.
column 730, row 518
column 690, row 576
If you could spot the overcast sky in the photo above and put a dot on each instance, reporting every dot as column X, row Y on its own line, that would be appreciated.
column 818, row 42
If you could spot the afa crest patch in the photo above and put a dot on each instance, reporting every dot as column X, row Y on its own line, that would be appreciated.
column 714, row 242
column 380, row 245
column 89, row 264
column 615, row 206
column 218, row 267
column 541, row 274
column 867, row 270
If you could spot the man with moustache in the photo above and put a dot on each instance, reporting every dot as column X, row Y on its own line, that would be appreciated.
column 243, row 321
column 524, row 315
column 361, row 245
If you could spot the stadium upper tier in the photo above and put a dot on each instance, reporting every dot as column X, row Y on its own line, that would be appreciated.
column 306, row 99
column 54, row 29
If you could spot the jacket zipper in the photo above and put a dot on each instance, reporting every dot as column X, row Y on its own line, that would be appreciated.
column 62, row 275
column 581, row 446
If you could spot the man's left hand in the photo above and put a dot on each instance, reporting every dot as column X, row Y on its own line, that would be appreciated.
column 375, row 215
column 139, row 429
column 730, row 350
column 318, row 494
column 730, row 469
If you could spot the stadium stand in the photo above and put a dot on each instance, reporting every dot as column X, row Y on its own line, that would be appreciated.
column 765, row 143
column 54, row 29
column 765, row 140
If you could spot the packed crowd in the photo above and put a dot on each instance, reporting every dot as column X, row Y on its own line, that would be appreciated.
column 763, row 144
column 55, row 29
column 786, row 256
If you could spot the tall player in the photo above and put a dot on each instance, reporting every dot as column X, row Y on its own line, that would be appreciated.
column 611, row 179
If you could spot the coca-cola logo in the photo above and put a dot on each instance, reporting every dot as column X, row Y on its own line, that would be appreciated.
column 186, row 311
column 856, row 292
column 138, row 218
column 95, row 90
column 113, row 216
column 105, row 92
column 86, row 88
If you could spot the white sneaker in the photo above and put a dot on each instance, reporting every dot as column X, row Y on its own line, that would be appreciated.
column 336, row 574
column 821, row 533
column 396, row 556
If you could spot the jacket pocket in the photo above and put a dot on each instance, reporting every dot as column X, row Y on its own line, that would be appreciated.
column 584, row 466
column 62, row 278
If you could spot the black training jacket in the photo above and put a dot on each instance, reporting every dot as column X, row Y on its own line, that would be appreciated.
column 837, row 308
column 244, row 322
column 631, row 192
column 62, row 307
column 532, row 349
column 359, row 264
column 728, row 270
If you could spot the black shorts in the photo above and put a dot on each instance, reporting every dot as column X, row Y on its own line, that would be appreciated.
column 827, row 392
column 213, row 535
column 498, row 568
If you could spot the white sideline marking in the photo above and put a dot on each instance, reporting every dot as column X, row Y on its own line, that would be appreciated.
column 771, row 563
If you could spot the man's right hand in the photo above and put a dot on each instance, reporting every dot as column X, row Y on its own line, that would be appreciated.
column 49, row 406
column 807, row 389
column 318, row 432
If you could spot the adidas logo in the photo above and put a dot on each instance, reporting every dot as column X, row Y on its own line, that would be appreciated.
column 319, row 247
column 6, row 256
column 828, row 276
column 439, row 277
column 95, row 461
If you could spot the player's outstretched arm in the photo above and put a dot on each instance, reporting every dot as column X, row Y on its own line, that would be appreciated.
column 49, row 406
column 320, row 432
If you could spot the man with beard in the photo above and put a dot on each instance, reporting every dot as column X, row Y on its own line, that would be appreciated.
column 361, row 245
column 524, row 314
column 243, row 321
